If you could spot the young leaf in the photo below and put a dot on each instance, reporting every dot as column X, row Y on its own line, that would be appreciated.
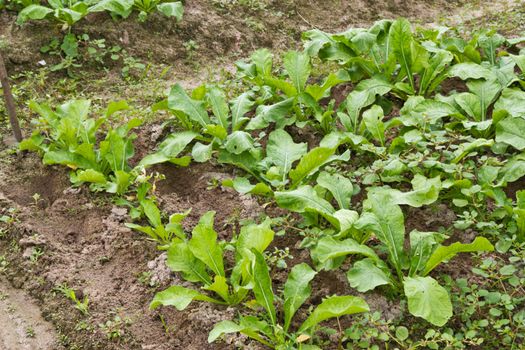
column 181, row 259
column 203, row 244
column 179, row 297
column 303, row 199
column 296, row 290
column 170, row 148
column 179, row 100
column 282, row 151
column 364, row 275
column 401, row 38
column 445, row 253
column 373, row 119
column 240, row 106
column 218, row 104
column 428, row 300
column 298, row 68
column 255, row 236
column 328, row 248
column 335, row 306
column 262, row 288
column 339, row 186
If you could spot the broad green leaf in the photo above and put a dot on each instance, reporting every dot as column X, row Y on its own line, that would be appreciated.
column 428, row 300
column 243, row 185
column 445, row 253
column 171, row 9
column 224, row 327
column 152, row 212
column 219, row 106
column 425, row 191
column 401, row 39
column 179, row 297
column 120, row 7
column 203, row 244
column 297, row 66
column 255, row 236
column 511, row 131
column 385, row 219
column 432, row 75
column 239, row 107
column 339, row 186
column 170, row 148
column 314, row 160
column 364, row 275
column 238, row 142
column 90, row 175
column 470, row 70
column 220, row 286
column 201, row 153
column 362, row 96
column 181, row 259
column 296, row 290
column 276, row 113
column 33, row 12
column 512, row 101
column 282, row 151
column 178, row 100
column 328, row 248
column 513, row 170
column 332, row 307
column 262, row 287
column 303, row 199
column 373, row 119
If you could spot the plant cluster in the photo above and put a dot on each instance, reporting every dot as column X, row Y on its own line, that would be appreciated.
column 401, row 121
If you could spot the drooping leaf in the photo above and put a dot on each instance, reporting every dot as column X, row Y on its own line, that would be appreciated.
column 296, row 290
column 170, row 148
column 313, row 161
column 428, row 300
column 178, row 296
column 303, row 199
column 328, row 248
column 332, row 307
column 445, row 253
column 364, row 275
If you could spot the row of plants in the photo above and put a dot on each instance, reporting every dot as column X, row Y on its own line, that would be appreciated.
column 431, row 119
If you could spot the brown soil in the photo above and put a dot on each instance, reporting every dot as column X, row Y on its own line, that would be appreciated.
column 82, row 235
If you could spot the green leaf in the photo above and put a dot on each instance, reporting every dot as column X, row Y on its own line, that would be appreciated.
column 428, row 300
column 220, row 287
column 339, row 186
column 512, row 101
column 373, row 119
column 152, row 212
column 224, row 327
column 297, row 66
column 362, row 96
column 240, row 106
column 296, row 290
column 178, row 100
column 445, row 253
column 386, row 220
column 314, row 160
column 171, row 9
column 364, row 275
column 120, row 7
column 282, row 151
column 276, row 113
column 303, row 199
column 179, row 297
column 33, row 12
column 170, row 148
column 328, row 248
column 470, row 70
column 181, row 259
column 91, row 175
column 219, row 106
column 401, row 39
column 203, row 244
column 332, row 307
column 511, row 131
column 425, row 191
column 238, row 142
column 262, row 288
column 255, row 236
column 202, row 153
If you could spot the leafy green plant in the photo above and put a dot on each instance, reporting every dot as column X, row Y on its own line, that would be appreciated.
column 167, row 8
column 267, row 329
column 68, row 136
column 201, row 260
column 80, row 305
column 384, row 218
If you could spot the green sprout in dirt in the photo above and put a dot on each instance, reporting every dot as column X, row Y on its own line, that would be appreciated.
column 80, row 305
column 201, row 260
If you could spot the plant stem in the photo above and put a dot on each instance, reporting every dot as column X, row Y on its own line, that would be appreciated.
column 9, row 101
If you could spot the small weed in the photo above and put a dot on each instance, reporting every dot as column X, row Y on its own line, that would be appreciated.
column 69, row 293
column 30, row 332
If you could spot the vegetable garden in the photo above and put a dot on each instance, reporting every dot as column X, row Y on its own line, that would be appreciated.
column 361, row 191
